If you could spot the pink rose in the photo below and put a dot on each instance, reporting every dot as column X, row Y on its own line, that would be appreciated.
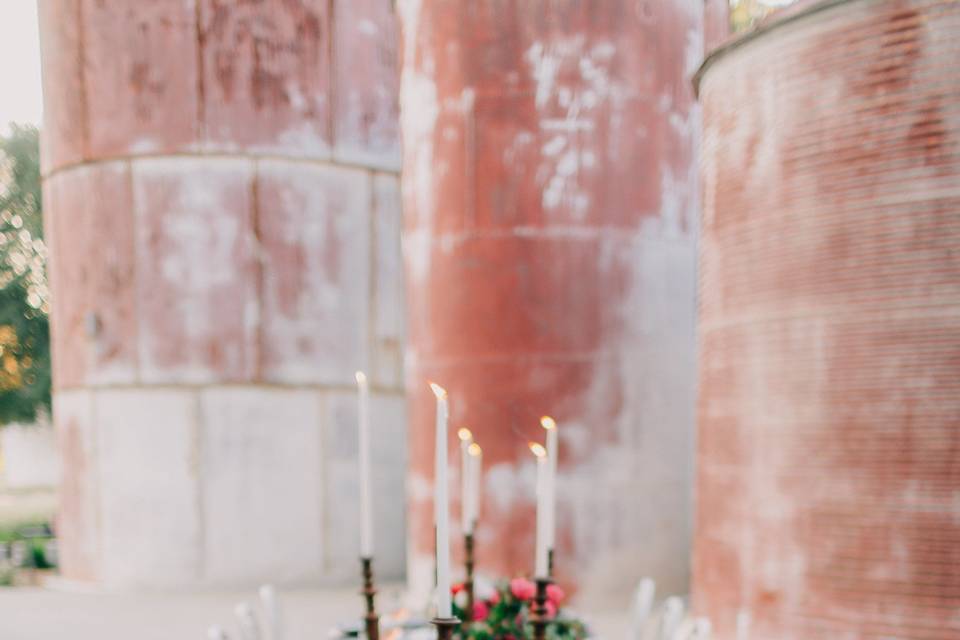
column 551, row 609
column 555, row 594
column 494, row 597
column 522, row 589
column 480, row 611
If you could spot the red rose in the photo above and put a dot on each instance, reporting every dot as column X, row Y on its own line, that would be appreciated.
column 456, row 588
column 480, row 611
column 555, row 594
column 522, row 589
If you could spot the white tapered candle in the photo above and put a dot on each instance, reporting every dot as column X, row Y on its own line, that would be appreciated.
column 466, row 477
column 553, row 451
column 476, row 470
column 441, row 507
column 642, row 605
column 540, row 557
column 366, row 511
column 672, row 616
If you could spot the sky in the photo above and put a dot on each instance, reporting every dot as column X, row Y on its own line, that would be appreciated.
column 20, row 96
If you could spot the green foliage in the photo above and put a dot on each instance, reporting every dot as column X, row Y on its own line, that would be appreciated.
column 15, row 530
column 38, row 555
column 745, row 14
column 24, row 328
column 20, row 194
column 35, row 535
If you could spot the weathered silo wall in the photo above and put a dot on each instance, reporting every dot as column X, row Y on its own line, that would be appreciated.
column 829, row 326
column 221, row 192
column 550, row 193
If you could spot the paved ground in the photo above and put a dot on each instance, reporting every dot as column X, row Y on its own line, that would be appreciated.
column 45, row 614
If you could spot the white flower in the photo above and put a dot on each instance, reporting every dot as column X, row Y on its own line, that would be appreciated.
column 483, row 589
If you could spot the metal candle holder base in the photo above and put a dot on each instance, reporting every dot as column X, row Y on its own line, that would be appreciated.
column 371, row 619
column 468, row 583
column 445, row 627
column 538, row 615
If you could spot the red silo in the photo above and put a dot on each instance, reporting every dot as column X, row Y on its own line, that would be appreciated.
column 829, row 326
column 550, row 193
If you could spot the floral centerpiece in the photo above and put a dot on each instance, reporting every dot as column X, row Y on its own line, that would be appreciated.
column 502, row 612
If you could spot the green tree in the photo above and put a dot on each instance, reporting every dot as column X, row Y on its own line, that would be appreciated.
column 745, row 14
column 24, row 306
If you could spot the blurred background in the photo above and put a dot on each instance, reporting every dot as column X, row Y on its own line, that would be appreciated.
column 717, row 241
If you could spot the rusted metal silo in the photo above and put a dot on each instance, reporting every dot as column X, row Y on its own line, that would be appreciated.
column 828, row 475
column 222, row 204
column 550, row 193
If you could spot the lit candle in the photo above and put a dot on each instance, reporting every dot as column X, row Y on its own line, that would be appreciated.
column 441, row 506
column 553, row 451
column 366, row 518
column 540, row 557
column 476, row 460
column 466, row 438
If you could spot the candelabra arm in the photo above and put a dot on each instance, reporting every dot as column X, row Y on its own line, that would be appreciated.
column 445, row 627
column 538, row 615
column 371, row 619
column 468, row 583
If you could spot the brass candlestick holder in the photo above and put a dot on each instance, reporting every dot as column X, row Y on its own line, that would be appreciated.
column 371, row 619
column 538, row 615
column 468, row 583
column 445, row 627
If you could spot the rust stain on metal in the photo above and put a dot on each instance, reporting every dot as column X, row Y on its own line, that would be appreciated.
column 827, row 421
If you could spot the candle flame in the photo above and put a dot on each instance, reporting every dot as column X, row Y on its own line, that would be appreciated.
column 538, row 449
column 464, row 434
column 474, row 449
column 361, row 377
column 438, row 391
column 548, row 423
